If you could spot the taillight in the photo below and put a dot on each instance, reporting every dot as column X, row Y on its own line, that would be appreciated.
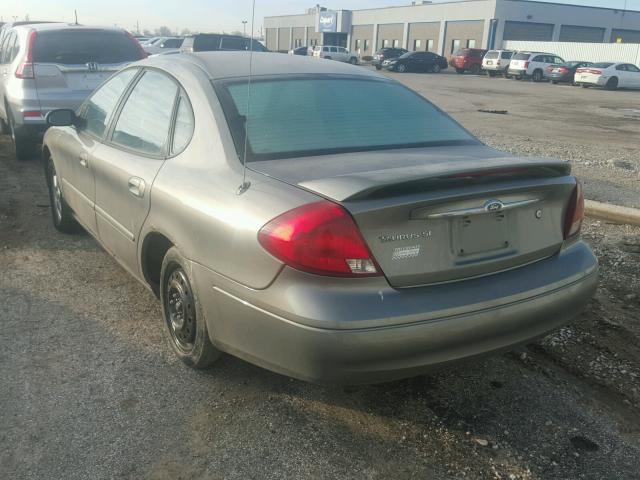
column 575, row 212
column 319, row 238
column 143, row 52
column 498, row 62
column 564, row 69
column 526, row 65
column 25, row 68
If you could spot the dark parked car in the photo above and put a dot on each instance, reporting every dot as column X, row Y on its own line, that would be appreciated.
column 416, row 62
column 213, row 42
column 564, row 72
column 468, row 60
column 386, row 54
column 300, row 51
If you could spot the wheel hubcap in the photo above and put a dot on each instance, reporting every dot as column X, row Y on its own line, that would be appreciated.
column 180, row 308
column 57, row 194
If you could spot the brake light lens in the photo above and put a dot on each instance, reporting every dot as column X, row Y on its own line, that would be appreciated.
column 143, row 52
column 575, row 212
column 25, row 68
column 320, row 238
column 526, row 64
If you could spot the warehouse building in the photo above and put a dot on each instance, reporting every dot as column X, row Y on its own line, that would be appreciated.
column 446, row 26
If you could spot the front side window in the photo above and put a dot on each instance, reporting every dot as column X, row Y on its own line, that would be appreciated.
column 99, row 108
column 143, row 124
column 279, row 124
column 633, row 68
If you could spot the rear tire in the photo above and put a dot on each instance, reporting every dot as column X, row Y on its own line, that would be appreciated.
column 353, row 61
column 62, row 216
column 555, row 82
column 378, row 67
column 24, row 144
column 612, row 83
column 185, row 325
column 491, row 74
column 537, row 76
column 459, row 71
column 401, row 68
column 584, row 85
column 475, row 69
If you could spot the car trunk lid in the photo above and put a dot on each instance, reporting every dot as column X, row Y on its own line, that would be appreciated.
column 442, row 214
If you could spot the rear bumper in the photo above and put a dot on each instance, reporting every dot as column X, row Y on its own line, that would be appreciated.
column 373, row 335
column 517, row 72
column 600, row 81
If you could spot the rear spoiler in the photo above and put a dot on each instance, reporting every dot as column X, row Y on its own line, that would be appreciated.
column 356, row 186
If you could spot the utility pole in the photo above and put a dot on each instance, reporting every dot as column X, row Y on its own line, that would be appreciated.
column 244, row 28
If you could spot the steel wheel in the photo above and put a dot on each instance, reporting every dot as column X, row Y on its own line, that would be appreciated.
column 181, row 311
column 56, row 193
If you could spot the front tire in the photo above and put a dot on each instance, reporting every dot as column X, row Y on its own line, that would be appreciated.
column 401, row 68
column 555, row 82
column 185, row 325
column 436, row 68
column 62, row 216
column 353, row 61
column 378, row 67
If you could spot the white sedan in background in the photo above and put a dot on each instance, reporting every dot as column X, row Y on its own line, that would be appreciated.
column 609, row 75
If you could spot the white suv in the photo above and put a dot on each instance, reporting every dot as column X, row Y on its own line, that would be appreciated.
column 496, row 62
column 340, row 54
column 532, row 65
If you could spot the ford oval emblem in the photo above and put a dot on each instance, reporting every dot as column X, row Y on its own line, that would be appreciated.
column 493, row 206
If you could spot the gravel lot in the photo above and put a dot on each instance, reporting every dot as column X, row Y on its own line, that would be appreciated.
column 89, row 390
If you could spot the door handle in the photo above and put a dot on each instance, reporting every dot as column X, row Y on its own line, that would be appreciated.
column 136, row 187
column 84, row 160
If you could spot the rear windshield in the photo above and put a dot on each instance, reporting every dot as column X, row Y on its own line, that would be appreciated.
column 322, row 115
column 78, row 47
column 491, row 55
column 602, row 65
column 521, row 56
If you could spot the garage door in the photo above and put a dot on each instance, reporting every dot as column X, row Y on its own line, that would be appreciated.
column 575, row 33
column 542, row 32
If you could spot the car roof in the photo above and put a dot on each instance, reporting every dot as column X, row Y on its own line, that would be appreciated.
column 44, row 27
column 221, row 65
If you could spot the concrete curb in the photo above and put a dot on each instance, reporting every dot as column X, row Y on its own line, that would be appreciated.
column 612, row 213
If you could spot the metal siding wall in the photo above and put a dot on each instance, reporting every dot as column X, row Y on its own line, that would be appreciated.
column 463, row 31
column 576, row 33
column 271, row 35
column 391, row 32
column 628, row 36
column 362, row 33
column 588, row 52
column 527, row 31
column 284, row 35
column 298, row 34
column 424, row 32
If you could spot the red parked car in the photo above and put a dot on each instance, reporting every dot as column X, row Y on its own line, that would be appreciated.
column 468, row 59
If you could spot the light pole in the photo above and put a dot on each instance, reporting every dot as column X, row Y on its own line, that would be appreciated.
column 244, row 28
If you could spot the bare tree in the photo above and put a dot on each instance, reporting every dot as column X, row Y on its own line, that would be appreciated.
column 164, row 31
column 185, row 31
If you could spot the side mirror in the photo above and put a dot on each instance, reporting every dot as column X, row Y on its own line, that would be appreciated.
column 62, row 117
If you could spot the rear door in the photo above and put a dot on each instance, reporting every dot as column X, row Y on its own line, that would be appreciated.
column 71, row 63
column 127, row 163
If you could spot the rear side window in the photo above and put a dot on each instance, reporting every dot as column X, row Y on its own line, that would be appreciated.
column 78, row 47
column 206, row 43
column 143, row 124
column 99, row 108
column 10, row 48
column 602, row 65
column 232, row 43
column 279, row 124
column 184, row 125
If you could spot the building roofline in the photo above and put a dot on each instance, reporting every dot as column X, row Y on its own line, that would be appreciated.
column 574, row 5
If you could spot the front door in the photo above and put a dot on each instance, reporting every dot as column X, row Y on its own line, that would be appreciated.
column 126, row 165
column 74, row 157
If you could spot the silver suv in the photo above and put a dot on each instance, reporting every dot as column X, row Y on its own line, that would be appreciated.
column 53, row 65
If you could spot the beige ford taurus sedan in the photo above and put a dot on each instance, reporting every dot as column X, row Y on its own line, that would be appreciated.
column 370, row 236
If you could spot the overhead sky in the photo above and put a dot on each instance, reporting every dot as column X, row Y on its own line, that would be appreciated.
column 201, row 15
